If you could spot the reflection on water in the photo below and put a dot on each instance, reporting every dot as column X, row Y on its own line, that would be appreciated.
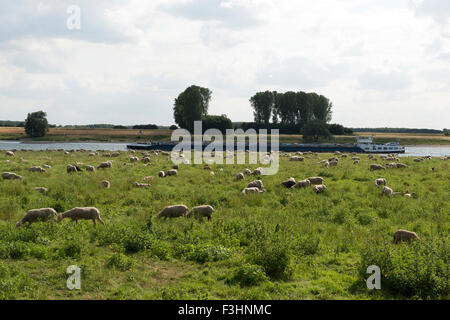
column 413, row 151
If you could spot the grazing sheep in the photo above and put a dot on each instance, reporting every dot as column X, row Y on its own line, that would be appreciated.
column 418, row 160
column 252, row 190
column 405, row 235
column 71, row 168
column 302, row 184
column 148, row 178
column 401, row 165
column 239, row 176
column 332, row 163
column 141, row 185
column 108, row 155
column 297, row 158
column 105, row 165
column 41, row 189
column 289, row 183
column 134, row 159
column 173, row 211
column 201, row 211
column 146, row 160
column 176, row 167
column 386, row 191
column 81, row 213
column 106, row 184
column 319, row 188
column 161, row 174
column 36, row 215
column 36, row 169
column 315, row 180
column 333, row 159
column 46, row 166
column 376, row 167
column 212, row 173
column 172, row 172
column 11, row 176
column 115, row 154
column 10, row 153
column 257, row 172
column 206, row 167
column 92, row 154
column 380, row 182
column 247, row 172
column 90, row 168
column 256, row 184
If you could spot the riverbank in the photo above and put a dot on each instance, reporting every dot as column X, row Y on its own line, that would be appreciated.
column 142, row 136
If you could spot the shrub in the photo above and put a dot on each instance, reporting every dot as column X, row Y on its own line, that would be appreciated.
column 248, row 275
column 120, row 261
column 274, row 258
column 416, row 269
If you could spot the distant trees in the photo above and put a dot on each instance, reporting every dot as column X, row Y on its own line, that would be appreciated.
column 216, row 122
column 446, row 132
column 36, row 124
column 314, row 130
column 191, row 105
column 290, row 108
column 146, row 126
column 8, row 123
column 173, row 127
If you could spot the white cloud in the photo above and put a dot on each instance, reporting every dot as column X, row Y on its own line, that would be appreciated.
column 132, row 58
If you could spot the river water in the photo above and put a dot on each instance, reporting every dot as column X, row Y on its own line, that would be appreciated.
column 411, row 151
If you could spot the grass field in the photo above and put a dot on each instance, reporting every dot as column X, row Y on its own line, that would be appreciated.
column 130, row 135
column 283, row 244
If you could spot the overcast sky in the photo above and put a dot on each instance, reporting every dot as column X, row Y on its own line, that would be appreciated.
column 381, row 62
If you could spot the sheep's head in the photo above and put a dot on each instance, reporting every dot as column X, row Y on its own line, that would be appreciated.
column 18, row 224
column 59, row 217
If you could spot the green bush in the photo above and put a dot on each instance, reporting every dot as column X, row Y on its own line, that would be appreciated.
column 416, row 269
column 120, row 261
column 248, row 275
column 274, row 258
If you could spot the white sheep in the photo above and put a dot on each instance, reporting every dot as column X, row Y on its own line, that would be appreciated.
column 380, row 182
column 81, row 213
column 41, row 189
column 252, row 190
column 90, row 168
column 11, row 176
column 315, row 180
column 405, row 235
column 141, row 185
column 161, row 174
column 35, row 215
column 256, row 184
column 289, row 183
column 201, row 211
column 106, row 184
column 239, row 176
column 319, row 188
column 386, row 191
column 172, row 172
column 173, row 211
column 36, row 169
column 376, row 167
column 301, row 184
column 105, row 165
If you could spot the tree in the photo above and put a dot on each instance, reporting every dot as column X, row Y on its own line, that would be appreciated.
column 315, row 129
column 336, row 129
column 446, row 132
column 173, row 127
column 191, row 105
column 36, row 124
column 262, row 103
column 216, row 122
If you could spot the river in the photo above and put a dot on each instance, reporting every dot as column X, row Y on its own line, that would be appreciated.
column 411, row 151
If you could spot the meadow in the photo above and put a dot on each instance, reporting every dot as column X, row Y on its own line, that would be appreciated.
column 132, row 135
column 282, row 244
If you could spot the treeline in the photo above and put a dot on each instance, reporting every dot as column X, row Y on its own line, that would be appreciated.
column 8, row 123
column 398, row 130
column 334, row 129
column 290, row 109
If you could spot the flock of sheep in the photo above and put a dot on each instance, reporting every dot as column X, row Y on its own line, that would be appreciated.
column 180, row 210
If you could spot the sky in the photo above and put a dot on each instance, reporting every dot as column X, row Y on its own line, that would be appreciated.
column 382, row 63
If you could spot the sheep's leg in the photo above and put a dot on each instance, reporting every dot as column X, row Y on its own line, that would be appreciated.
column 100, row 220
column 93, row 220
